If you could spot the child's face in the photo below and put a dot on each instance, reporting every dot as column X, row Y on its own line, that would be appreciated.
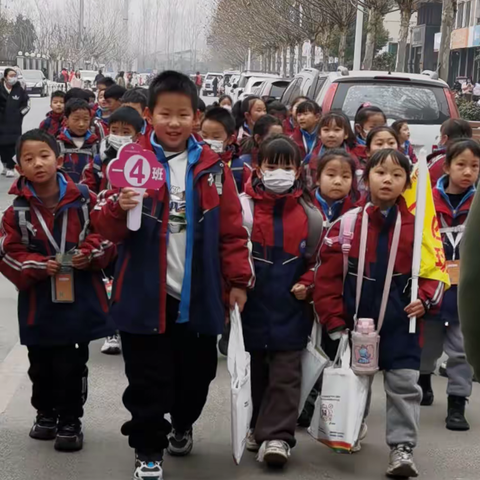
column 382, row 140
column 308, row 120
column 333, row 135
column 58, row 105
column 212, row 130
column 137, row 107
column 257, row 111
column 375, row 120
column 113, row 104
column 79, row 122
column 271, row 167
column 172, row 119
column 273, row 130
column 386, row 182
column 37, row 162
column 404, row 133
column 123, row 130
column 226, row 103
column 101, row 99
column 335, row 181
column 463, row 170
column 280, row 115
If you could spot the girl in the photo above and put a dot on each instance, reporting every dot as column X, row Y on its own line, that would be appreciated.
column 453, row 197
column 225, row 101
column 250, row 110
column 367, row 118
column 306, row 135
column 403, row 131
column 386, row 218
column 290, row 123
column 276, row 318
column 335, row 132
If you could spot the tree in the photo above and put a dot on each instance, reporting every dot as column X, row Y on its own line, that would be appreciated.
column 407, row 9
column 449, row 13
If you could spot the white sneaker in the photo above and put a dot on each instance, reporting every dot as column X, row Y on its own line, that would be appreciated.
column 148, row 468
column 363, row 434
column 10, row 173
column 112, row 345
column 252, row 445
column 401, row 463
column 275, row 453
column 180, row 444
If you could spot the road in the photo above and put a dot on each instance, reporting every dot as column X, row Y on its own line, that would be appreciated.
column 441, row 455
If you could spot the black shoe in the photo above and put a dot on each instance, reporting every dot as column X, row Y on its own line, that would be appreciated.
column 180, row 444
column 223, row 343
column 45, row 426
column 148, row 467
column 425, row 381
column 69, row 436
column 456, row 414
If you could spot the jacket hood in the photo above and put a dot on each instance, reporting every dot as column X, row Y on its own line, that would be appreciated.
column 442, row 201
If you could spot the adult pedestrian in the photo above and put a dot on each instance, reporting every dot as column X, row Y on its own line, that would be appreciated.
column 76, row 81
column 14, row 105
column 467, row 89
column 215, row 86
column 121, row 79
column 198, row 82
column 64, row 77
column 99, row 76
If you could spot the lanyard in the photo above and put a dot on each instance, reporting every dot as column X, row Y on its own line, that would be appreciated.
column 314, row 144
column 391, row 264
column 449, row 231
column 63, row 241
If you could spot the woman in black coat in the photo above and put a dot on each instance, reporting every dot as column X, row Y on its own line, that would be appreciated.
column 14, row 105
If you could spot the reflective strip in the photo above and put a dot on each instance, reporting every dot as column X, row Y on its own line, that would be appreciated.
column 218, row 183
column 22, row 223
column 86, row 220
column 63, row 241
column 449, row 231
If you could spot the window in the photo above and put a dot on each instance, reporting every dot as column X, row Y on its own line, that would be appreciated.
column 292, row 91
column 468, row 7
column 461, row 7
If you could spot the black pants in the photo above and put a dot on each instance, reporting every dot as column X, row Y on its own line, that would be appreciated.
column 59, row 376
column 7, row 152
column 168, row 373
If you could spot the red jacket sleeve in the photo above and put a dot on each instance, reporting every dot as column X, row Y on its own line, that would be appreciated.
column 431, row 294
column 43, row 125
column 235, row 249
column 328, row 291
column 89, row 178
column 21, row 267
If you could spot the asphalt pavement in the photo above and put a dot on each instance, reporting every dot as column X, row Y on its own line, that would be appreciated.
column 441, row 455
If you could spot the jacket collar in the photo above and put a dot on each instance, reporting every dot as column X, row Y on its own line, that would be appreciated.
column 445, row 206
column 66, row 136
column 330, row 211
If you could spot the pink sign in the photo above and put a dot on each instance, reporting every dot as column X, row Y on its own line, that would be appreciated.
column 136, row 168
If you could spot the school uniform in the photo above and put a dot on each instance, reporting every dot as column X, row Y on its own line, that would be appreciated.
column 331, row 213
column 53, row 123
column 288, row 126
column 309, row 145
column 243, row 133
column 100, row 126
column 442, row 331
column 56, row 334
column 169, row 287
column 77, row 153
column 334, row 298
column 145, row 134
column 436, row 161
column 242, row 167
column 407, row 149
column 276, row 325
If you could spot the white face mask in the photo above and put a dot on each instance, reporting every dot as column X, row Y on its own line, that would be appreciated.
column 11, row 81
column 227, row 107
column 278, row 181
column 215, row 145
column 117, row 141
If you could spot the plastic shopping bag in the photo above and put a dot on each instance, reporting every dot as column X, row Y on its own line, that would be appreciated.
column 239, row 369
column 339, row 410
column 314, row 360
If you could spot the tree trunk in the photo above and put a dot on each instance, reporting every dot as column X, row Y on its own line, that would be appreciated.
column 312, row 53
column 292, row 60
column 284, row 62
column 299, row 57
column 405, row 16
column 448, row 17
column 371, row 36
column 342, row 46
column 279, row 60
column 326, row 58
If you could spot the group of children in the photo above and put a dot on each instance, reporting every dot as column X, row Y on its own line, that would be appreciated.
column 202, row 249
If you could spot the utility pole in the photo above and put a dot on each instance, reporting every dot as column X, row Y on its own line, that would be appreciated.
column 81, row 27
column 126, row 9
column 357, row 54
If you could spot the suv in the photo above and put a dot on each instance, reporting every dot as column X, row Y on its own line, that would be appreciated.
column 238, row 88
column 208, row 84
column 307, row 83
column 36, row 83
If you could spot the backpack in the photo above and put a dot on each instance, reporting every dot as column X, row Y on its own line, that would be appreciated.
column 21, row 208
column 314, row 219
column 91, row 150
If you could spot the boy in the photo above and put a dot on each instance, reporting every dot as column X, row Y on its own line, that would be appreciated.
column 277, row 109
column 104, row 83
column 91, row 99
column 113, row 95
column 306, row 135
column 198, row 121
column 137, row 99
column 174, row 310
column 53, row 123
column 45, row 240
column 78, row 145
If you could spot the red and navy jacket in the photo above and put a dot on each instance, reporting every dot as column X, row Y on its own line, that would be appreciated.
column 25, row 250
column 448, row 217
column 95, row 173
column 331, row 213
column 76, row 159
column 242, row 167
column 288, row 126
column 436, row 160
column 217, row 252
column 408, row 150
column 53, row 123
column 335, row 299
column 100, row 126
column 145, row 134
column 273, row 319
column 308, row 157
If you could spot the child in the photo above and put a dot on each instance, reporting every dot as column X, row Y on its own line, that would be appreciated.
column 252, row 108
column 91, row 99
column 218, row 131
column 174, row 310
column 290, row 123
column 335, row 132
column 277, row 109
column 366, row 118
column 137, row 98
column 78, row 145
column 450, row 130
column 386, row 217
column 306, row 136
column 403, row 132
column 276, row 319
column 104, row 83
column 55, row 325
column 53, row 123
column 201, row 114
column 100, row 117
column 225, row 101
column 453, row 198
column 113, row 95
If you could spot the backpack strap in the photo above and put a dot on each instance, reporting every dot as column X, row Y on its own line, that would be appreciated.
column 247, row 208
column 91, row 150
column 315, row 228
column 85, row 192
column 21, row 208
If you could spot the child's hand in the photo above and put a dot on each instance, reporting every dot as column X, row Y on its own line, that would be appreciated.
column 53, row 267
column 128, row 200
column 80, row 261
column 300, row 291
column 415, row 309
column 238, row 296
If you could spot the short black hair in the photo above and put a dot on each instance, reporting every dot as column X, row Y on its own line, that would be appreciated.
column 364, row 113
column 458, row 146
column 7, row 71
column 115, row 91
column 398, row 124
column 172, row 82
column 380, row 156
column 276, row 106
column 338, row 118
column 75, row 104
column 383, row 128
column 201, row 106
column 129, row 116
column 222, row 116
column 136, row 95
column 36, row 135
column 76, row 93
column 225, row 97
column 107, row 81
column 90, row 94
column 456, row 128
column 58, row 94
column 309, row 106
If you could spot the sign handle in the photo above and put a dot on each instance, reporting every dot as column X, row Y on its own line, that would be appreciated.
column 134, row 216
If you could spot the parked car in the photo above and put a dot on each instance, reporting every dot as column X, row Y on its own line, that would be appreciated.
column 238, row 88
column 88, row 77
column 228, row 89
column 35, row 82
column 208, row 83
column 272, row 89
column 225, row 82
column 306, row 83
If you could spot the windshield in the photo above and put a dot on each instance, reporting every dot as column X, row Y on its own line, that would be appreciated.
column 32, row 75
column 278, row 89
column 418, row 104
column 243, row 81
column 88, row 74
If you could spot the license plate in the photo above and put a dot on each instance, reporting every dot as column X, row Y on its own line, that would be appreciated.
column 29, row 89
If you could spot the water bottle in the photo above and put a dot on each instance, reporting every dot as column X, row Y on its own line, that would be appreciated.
column 365, row 343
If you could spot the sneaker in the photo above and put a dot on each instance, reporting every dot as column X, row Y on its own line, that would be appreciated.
column 456, row 414
column 275, row 453
column 223, row 343
column 252, row 445
column 442, row 370
column 69, row 436
column 112, row 345
column 148, row 467
column 10, row 173
column 425, row 381
column 362, row 435
column 4, row 171
column 401, row 462
column 180, row 444
column 45, row 426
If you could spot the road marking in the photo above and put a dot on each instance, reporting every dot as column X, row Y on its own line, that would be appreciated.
column 12, row 372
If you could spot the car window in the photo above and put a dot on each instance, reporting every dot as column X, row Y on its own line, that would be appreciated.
column 306, row 85
column 420, row 104
column 277, row 89
column 292, row 91
column 243, row 81
column 316, row 87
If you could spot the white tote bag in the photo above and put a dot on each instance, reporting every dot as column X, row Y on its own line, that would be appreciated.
column 339, row 410
column 314, row 360
column 239, row 369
